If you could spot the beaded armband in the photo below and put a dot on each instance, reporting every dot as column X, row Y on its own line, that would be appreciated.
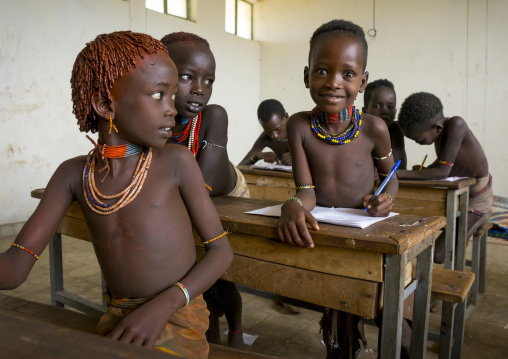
column 383, row 158
column 450, row 164
column 208, row 187
column 306, row 186
column 206, row 143
column 26, row 250
column 295, row 199
column 389, row 197
column 213, row 239
column 184, row 290
column 383, row 174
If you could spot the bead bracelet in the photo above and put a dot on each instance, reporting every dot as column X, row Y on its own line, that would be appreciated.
column 213, row 239
column 184, row 290
column 208, row 187
column 306, row 186
column 389, row 197
column 295, row 199
column 27, row 250
column 385, row 157
column 446, row 163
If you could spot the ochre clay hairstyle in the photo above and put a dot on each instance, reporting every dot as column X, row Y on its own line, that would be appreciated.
column 341, row 27
column 100, row 63
column 418, row 109
column 175, row 37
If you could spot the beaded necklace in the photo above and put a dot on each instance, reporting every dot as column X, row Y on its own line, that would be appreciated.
column 338, row 117
column 336, row 139
column 191, row 131
column 125, row 150
column 93, row 196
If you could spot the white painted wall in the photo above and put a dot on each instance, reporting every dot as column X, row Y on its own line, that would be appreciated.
column 455, row 49
column 39, row 41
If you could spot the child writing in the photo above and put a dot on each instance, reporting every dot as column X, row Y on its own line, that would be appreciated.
column 459, row 154
column 379, row 99
column 334, row 150
column 139, row 198
column 272, row 117
column 203, row 129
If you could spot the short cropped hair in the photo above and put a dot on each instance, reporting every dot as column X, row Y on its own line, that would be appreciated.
column 374, row 85
column 270, row 107
column 100, row 64
column 418, row 109
column 181, row 36
column 341, row 27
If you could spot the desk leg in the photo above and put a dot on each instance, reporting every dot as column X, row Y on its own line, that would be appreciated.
column 56, row 268
column 460, row 259
column 393, row 301
column 421, row 303
column 450, row 229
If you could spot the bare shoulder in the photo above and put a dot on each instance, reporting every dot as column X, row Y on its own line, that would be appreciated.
column 175, row 154
column 373, row 125
column 215, row 114
column 299, row 118
column 456, row 122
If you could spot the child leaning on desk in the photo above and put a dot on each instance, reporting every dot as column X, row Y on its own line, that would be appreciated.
column 139, row 198
column 334, row 150
column 459, row 154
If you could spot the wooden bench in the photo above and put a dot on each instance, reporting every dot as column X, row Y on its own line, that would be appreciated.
column 452, row 287
column 54, row 316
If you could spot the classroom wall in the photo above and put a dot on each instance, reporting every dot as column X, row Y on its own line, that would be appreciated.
column 39, row 41
column 455, row 49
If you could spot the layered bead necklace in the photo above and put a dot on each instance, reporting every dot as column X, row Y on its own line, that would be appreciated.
column 318, row 117
column 93, row 197
column 191, row 131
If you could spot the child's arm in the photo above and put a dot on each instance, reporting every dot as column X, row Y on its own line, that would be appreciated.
column 382, row 204
column 143, row 325
column 16, row 263
column 213, row 157
column 455, row 130
column 255, row 154
column 295, row 213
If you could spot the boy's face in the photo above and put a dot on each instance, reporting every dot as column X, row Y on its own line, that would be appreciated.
column 142, row 101
column 335, row 73
column 276, row 127
column 196, row 75
column 382, row 104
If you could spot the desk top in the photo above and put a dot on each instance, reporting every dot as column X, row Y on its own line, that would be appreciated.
column 458, row 184
column 393, row 235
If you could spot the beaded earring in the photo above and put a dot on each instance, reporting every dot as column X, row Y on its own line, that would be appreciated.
column 111, row 125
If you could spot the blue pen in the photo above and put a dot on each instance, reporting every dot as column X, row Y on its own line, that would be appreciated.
column 389, row 177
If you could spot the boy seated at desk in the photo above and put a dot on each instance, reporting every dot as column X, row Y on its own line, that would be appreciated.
column 335, row 149
column 203, row 128
column 459, row 154
column 272, row 117
column 379, row 99
column 141, row 209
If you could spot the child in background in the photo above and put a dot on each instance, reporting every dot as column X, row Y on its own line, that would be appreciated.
column 203, row 129
column 141, row 209
column 334, row 150
column 379, row 99
column 272, row 117
column 459, row 154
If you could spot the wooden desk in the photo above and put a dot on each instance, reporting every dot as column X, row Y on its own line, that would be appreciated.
column 415, row 197
column 346, row 270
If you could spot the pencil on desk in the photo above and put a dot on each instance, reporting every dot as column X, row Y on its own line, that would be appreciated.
column 421, row 166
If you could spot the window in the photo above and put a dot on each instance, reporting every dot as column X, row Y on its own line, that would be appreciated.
column 180, row 8
column 239, row 18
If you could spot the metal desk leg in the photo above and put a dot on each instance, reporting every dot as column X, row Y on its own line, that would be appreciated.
column 460, row 260
column 475, row 264
column 56, row 269
column 393, row 298
column 446, row 336
column 421, row 303
column 458, row 329
column 451, row 228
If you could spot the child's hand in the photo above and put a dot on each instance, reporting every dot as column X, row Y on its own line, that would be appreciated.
column 293, row 225
column 285, row 159
column 416, row 167
column 269, row 157
column 142, row 327
column 380, row 206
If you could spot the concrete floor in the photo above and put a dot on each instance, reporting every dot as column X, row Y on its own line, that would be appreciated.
column 294, row 335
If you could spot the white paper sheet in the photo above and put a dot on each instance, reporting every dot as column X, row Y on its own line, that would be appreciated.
column 451, row 179
column 272, row 167
column 350, row 217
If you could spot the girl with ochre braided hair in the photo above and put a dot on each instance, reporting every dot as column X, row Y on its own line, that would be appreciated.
column 139, row 197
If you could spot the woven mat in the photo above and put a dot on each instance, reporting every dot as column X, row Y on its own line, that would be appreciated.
column 499, row 217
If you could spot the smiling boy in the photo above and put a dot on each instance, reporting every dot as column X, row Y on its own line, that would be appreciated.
column 273, row 118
